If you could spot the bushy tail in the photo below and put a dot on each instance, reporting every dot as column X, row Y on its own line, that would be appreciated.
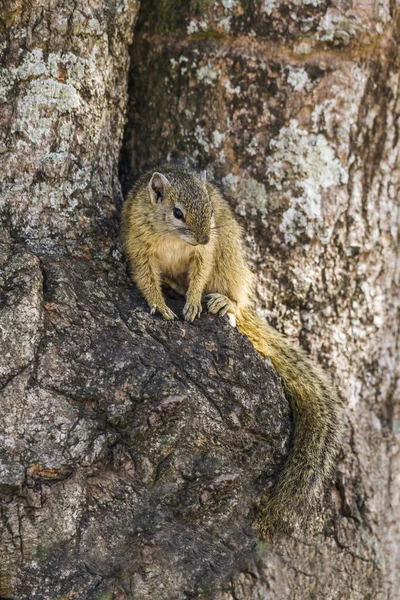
column 318, row 428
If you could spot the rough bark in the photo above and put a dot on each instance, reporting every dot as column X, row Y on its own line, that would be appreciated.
column 62, row 113
column 128, row 447
column 294, row 109
column 132, row 451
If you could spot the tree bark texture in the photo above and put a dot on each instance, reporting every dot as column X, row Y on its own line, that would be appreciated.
column 63, row 99
column 132, row 451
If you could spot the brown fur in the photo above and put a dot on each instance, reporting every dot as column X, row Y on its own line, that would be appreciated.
column 159, row 251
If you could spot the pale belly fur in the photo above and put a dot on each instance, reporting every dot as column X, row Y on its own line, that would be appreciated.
column 173, row 257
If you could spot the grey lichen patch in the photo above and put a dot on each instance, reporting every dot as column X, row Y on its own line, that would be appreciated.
column 64, row 122
column 250, row 195
column 298, row 78
column 338, row 28
column 229, row 9
column 269, row 6
column 31, row 66
column 207, row 73
column 33, row 122
column 34, row 66
column 307, row 162
column 202, row 141
column 197, row 25
column 218, row 138
column 50, row 92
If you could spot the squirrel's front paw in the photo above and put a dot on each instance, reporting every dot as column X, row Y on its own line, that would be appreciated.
column 192, row 311
column 218, row 304
column 165, row 312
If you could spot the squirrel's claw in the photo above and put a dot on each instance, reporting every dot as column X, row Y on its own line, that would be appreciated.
column 217, row 303
column 221, row 305
column 191, row 311
column 165, row 312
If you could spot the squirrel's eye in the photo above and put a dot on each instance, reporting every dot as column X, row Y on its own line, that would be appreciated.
column 178, row 214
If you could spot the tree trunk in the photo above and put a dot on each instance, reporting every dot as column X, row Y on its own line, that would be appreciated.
column 63, row 104
column 132, row 451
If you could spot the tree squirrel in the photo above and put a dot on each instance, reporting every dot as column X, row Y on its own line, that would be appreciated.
column 178, row 230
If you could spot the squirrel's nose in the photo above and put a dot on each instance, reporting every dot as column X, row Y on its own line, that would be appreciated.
column 203, row 239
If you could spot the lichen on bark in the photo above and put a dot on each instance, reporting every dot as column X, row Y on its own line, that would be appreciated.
column 293, row 109
column 62, row 102
column 132, row 452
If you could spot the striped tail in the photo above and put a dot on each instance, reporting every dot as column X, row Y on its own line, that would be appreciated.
column 318, row 429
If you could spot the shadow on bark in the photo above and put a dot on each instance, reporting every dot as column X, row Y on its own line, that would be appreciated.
column 139, row 446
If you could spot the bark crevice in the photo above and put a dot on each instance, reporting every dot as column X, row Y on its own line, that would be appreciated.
column 132, row 451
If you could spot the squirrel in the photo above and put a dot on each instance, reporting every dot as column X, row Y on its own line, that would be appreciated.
column 178, row 230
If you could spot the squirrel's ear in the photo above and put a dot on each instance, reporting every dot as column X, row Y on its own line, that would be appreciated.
column 157, row 187
column 203, row 176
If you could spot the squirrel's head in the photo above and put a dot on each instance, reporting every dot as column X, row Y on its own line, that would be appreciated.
column 182, row 206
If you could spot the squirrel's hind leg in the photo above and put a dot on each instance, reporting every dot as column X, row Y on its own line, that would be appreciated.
column 221, row 305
